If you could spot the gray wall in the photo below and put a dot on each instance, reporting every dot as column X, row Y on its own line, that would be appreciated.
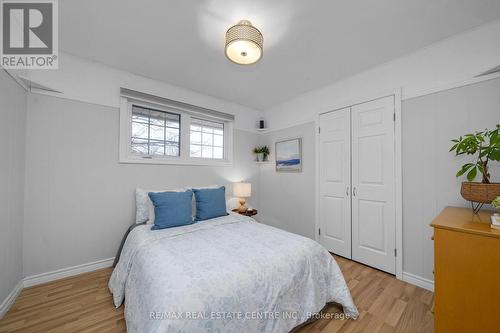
column 429, row 183
column 79, row 199
column 287, row 199
column 12, row 152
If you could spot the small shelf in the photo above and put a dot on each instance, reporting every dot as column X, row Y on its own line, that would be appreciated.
column 264, row 162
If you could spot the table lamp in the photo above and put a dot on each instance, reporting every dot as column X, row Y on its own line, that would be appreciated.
column 242, row 191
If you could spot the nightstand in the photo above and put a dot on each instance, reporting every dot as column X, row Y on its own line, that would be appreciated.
column 249, row 212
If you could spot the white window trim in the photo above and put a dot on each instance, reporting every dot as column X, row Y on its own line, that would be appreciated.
column 126, row 156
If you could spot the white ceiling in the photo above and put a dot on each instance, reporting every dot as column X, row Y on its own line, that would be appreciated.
column 307, row 43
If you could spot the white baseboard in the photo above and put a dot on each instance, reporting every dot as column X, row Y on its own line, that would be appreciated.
column 9, row 300
column 418, row 281
column 34, row 280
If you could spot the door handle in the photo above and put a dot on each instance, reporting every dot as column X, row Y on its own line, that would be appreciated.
column 354, row 191
column 347, row 191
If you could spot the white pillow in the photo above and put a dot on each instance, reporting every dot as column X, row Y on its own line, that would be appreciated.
column 145, row 210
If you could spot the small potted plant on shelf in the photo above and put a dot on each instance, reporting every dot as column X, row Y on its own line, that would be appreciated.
column 496, row 204
column 485, row 147
column 262, row 152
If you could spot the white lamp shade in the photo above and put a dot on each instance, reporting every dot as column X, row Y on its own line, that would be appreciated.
column 243, row 52
column 244, row 43
column 242, row 190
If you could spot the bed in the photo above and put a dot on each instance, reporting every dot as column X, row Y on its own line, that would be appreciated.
column 226, row 274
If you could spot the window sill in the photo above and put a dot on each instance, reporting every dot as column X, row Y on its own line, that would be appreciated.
column 175, row 161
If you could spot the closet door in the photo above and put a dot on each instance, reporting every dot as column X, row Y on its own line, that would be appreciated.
column 373, row 173
column 335, row 179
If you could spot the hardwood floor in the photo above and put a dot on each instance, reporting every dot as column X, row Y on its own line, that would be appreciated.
column 83, row 304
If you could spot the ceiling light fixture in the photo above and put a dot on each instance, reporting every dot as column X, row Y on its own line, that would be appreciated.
column 244, row 43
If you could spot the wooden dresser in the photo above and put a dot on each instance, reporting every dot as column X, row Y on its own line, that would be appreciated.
column 466, row 272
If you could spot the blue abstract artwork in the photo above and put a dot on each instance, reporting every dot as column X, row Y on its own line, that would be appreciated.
column 289, row 155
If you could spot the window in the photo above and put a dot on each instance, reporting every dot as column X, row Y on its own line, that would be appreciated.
column 156, row 130
column 206, row 139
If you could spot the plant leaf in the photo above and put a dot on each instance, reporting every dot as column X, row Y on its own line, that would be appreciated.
column 472, row 174
column 464, row 169
column 480, row 167
column 495, row 154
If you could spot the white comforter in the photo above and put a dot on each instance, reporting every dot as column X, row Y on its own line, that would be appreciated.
column 229, row 274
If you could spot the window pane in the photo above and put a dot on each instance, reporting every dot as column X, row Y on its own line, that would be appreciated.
column 173, row 124
column 173, row 120
column 157, row 122
column 156, row 148
column 207, row 129
column 218, row 140
column 207, row 139
column 139, row 146
column 150, row 134
column 157, row 132
column 139, row 130
column 195, row 138
column 172, row 134
column 139, row 149
column 218, row 152
column 195, row 151
column 157, row 117
column 172, row 150
column 206, row 152
column 140, row 114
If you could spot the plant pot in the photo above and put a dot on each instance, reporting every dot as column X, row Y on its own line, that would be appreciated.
column 260, row 157
column 480, row 192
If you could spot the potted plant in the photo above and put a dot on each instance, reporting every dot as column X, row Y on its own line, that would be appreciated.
column 262, row 152
column 496, row 204
column 485, row 147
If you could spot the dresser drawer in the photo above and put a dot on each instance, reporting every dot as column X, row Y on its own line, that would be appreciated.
column 467, row 280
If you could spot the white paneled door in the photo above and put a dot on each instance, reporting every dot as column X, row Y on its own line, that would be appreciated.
column 335, row 179
column 357, row 183
column 373, row 184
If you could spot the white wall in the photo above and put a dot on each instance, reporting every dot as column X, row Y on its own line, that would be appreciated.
column 79, row 199
column 429, row 182
column 12, row 152
column 452, row 60
column 437, row 67
column 92, row 82
column 287, row 199
column 428, row 124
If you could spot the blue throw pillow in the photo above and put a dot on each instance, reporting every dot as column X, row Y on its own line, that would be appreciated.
column 172, row 209
column 210, row 203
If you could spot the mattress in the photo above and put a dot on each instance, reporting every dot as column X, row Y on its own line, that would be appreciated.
column 228, row 274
